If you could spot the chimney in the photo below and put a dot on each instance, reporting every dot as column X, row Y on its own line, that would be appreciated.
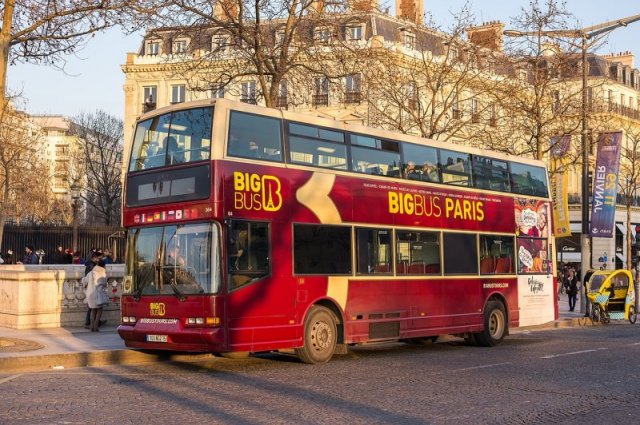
column 625, row 58
column 364, row 5
column 317, row 6
column 410, row 10
column 225, row 10
column 488, row 35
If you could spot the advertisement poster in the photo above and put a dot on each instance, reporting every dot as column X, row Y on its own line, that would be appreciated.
column 605, row 185
column 535, row 300
column 532, row 229
column 559, row 185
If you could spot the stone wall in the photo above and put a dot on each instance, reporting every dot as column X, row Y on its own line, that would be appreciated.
column 47, row 296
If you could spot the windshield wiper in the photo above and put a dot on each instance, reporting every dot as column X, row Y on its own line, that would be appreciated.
column 138, row 293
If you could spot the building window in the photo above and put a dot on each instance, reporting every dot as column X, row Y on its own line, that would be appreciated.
column 555, row 107
column 353, row 86
column 455, row 106
column 283, row 93
column 248, row 92
column 522, row 75
column 217, row 91
column 475, row 115
column 178, row 93
column 354, row 33
column 180, row 46
column 280, row 37
column 321, row 91
column 409, row 40
column 219, row 43
column 153, row 48
column 493, row 120
column 150, row 98
column 322, row 35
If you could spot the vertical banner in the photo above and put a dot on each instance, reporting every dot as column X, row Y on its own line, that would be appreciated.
column 559, row 185
column 605, row 185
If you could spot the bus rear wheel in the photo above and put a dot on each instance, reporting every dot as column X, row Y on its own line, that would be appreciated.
column 320, row 332
column 633, row 315
column 495, row 325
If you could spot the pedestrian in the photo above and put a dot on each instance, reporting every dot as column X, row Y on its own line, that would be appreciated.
column 95, row 285
column 88, row 267
column 29, row 256
column 106, row 256
column 585, row 282
column 59, row 256
column 571, row 283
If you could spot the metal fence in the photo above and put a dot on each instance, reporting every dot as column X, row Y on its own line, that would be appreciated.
column 47, row 238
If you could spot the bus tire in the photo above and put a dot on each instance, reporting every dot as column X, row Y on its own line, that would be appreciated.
column 495, row 325
column 633, row 315
column 320, row 332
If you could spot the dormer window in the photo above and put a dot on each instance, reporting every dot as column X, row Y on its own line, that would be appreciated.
column 180, row 46
column 219, row 43
column 522, row 75
column 152, row 48
column 409, row 40
column 354, row 32
column 280, row 37
column 322, row 35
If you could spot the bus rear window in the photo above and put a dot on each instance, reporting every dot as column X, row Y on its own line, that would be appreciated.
column 174, row 138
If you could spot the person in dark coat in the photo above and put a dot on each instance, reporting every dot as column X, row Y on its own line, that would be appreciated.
column 59, row 256
column 571, row 283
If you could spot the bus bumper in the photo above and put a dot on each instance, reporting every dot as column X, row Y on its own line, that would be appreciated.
column 194, row 340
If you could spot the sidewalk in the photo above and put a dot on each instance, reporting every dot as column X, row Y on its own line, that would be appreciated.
column 42, row 349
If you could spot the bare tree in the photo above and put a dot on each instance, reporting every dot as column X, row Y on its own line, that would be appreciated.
column 21, row 167
column 543, row 97
column 438, row 88
column 46, row 31
column 277, row 44
column 99, row 163
column 628, row 176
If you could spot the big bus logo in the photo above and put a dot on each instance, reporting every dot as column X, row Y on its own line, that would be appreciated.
column 156, row 309
column 256, row 192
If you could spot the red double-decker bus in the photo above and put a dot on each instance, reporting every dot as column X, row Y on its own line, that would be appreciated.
column 253, row 229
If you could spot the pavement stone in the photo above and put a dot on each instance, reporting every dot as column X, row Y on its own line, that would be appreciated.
column 29, row 350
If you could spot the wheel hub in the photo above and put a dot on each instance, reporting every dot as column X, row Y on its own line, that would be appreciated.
column 321, row 336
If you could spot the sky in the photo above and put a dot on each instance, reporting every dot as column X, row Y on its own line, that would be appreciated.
column 92, row 79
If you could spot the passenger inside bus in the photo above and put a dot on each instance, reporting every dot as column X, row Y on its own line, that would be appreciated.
column 411, row 172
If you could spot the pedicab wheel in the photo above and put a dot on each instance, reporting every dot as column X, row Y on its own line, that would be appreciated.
column 320, row 332
column 495, row 325
column 595, row 313
column 633, row 314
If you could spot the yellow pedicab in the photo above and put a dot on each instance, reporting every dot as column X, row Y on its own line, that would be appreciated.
column 612, row 296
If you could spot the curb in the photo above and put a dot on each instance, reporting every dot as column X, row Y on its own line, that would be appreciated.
column 91, row 359
column 129, row 356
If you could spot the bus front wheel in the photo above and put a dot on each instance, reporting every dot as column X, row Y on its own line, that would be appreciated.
column 320, row 332
column 495, row 325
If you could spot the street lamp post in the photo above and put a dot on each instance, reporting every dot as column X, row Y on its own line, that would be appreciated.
column 75, row 196
column 593, row 33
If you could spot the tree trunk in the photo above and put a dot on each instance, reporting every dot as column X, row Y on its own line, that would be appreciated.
column 5, row 45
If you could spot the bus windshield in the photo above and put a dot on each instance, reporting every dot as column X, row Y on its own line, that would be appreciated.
column 171, row 139
column 177, row 260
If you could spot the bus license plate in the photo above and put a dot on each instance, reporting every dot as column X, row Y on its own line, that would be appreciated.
column 156, row 338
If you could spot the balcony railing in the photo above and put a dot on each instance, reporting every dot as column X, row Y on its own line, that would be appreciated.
column 320, row 100
column 576, row 198
column 457, row 114
column 251, row 100
column 493, row 122
column 475, row 117
column 353, row 97
column 609, row 107
column 148, row 106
